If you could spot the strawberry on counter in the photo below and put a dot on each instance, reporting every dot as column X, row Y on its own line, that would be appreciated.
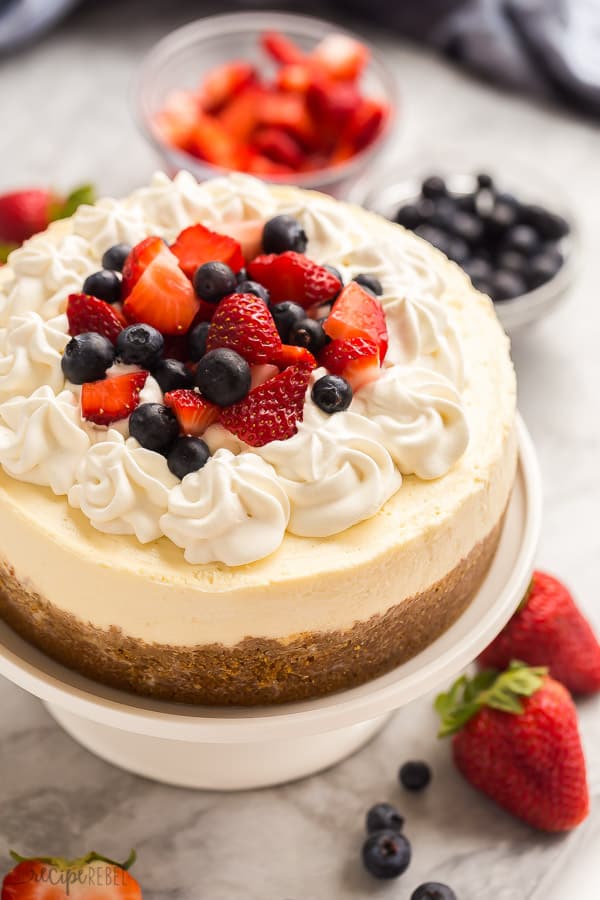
column 27, row 212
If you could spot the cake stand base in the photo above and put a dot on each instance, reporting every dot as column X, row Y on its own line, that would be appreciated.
column 218, row 767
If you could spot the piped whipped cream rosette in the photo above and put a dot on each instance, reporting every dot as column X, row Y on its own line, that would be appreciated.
column 218, row 364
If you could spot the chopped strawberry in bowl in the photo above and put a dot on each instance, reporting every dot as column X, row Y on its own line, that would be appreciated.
column 288, row 98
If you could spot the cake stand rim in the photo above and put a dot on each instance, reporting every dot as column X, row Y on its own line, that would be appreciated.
column 377, row 697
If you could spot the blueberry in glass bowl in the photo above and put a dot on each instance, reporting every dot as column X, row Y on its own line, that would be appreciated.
column 512, row 233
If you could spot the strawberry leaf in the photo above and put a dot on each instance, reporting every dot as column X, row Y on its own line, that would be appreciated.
column 5, row 249
column 62, row 209
column 497, row 690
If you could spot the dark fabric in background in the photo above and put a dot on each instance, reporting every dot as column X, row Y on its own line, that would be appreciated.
column 548, row 48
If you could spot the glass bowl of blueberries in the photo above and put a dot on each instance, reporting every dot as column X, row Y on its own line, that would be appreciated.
column 511, row 232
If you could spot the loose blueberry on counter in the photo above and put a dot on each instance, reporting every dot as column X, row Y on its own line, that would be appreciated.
column 105, row 285
column 308, row 333
column 114, row 258
column 433, row 187
column 370, row 282
column 253, row 287
column 223, row 377
column 433, row 890
column 286, row 315
column 386, row 854
column 154, row 426
column 213, row 281
column 382, row 816
column 284, row 233
column 414, row 775
column 197, row 340
column 188, row 454
column 171, row 375
column 332, row 394
column 86, row 357
column 140, row 345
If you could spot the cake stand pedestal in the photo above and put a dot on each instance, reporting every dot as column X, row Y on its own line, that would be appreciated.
column 231, row 748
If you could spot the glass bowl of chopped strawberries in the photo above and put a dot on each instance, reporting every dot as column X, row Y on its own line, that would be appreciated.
column 288, row 98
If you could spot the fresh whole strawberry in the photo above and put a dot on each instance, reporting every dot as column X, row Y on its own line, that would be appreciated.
column 243, row 323
column 24, row 213
column 93, row 877
column 86, row 313
column 139, row 259
column 197, row 245
column 194, row 413
column 355, row 358
column 270, row 412
column 163, row 297
column 356, row 313
column 548, row 629
column 107, row 401
column 516, row 739
column 293, row 276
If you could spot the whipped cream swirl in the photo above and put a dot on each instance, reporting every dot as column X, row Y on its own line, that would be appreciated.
column 30, row 354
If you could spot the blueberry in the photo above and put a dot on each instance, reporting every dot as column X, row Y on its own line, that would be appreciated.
column 457, row 250
column 284, row 233
column 332, row 394
column 171, row 375
column 433, row 187
column 223, row 377
column 242, row 275
column 197, row 340
column 154, row 426
column 477, row 268
column 502, row 217
column 87, row 357
column 213, row 281
column 485, row 181
column 434, row 236
column 253, row 287
column 507, row 285
column 426, row 209
column 105, row 285
column 483, row 285
column 335, row 272
column 512, row 261
column 308, row 333
column 550, row 226
column 188, row 454
column 285, row 316
column 115, row 257
column 433, row 890
column 543, row 267
column 466, row 202
column 522, row 238
column 386, row 854
column 370, row 282
column 382, row 816
column 466, row 226
column 414, row 775
column 140, row 345
column 409, row 216
column 444, row 211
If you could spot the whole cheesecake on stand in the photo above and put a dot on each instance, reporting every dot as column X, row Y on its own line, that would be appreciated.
column 307, row 495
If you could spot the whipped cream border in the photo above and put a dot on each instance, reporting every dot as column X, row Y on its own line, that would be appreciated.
column 335, row 472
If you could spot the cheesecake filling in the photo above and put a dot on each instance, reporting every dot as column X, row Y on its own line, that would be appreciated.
column 336, row 472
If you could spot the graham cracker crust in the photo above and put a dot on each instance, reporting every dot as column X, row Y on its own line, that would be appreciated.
column 257, row 670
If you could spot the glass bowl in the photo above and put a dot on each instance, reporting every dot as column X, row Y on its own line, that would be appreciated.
column 390, row 190
column 179, row 60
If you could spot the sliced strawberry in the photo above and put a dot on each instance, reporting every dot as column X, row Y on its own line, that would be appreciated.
column 221, row 84
column 193, row 412
column 243, row 323
column 86, row 313
column 281, row 48
column 294, row 77
column 175, row 123
column 341, row 56
column 357, row 313
column 270, row 412
column 279, row 146
column 240, row 116
column 365, row 124
column 356, row 358
column 197, row 245
column 260, row 165
column 332, row 104
column 139, row 259
column 213, row 142
column 293, row 276
column 261, row 373
column 290, row 355
column 288, row 112
column 163, row 297
column 111, row 399
column 247, row 233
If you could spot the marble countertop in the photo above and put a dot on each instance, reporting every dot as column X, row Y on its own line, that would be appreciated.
column 66, row 115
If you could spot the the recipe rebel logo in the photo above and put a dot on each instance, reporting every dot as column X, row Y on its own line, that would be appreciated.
column 79, row 879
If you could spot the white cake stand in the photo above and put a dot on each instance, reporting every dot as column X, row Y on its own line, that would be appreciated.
column 232, row 749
